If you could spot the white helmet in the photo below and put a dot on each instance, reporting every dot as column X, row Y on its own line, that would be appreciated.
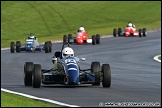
column 81, row 28
column 67, row 52
column 130, row 25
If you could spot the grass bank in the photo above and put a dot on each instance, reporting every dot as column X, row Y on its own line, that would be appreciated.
column 50, row 20
column 12, row 100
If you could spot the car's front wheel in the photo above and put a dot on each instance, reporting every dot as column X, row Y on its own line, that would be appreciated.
column 95, row 68
column 36, row 76
column 12, row 48
column 28, row 69
column 106, row 78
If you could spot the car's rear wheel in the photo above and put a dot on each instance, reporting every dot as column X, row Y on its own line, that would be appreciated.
column 12, row 48
column 36, row 76
column 95, row 68
column 64, row 39
column 114, row 32
column 50, row 46
column 119, row 31
column 97, row 39
column 18, row 45
column 46, row 47
column 28, row 69
column 106, row 78
column 144, row 32
column 140, row 32
column 69, row 38
column 93, row 40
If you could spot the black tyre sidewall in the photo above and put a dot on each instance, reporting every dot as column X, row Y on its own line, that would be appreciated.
column 28, row 69
column 36, row 76
column 95, row 68
column 12, row 48
column 106, row 81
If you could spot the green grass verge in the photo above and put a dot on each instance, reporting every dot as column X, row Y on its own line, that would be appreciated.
column 50, row 20
column 13, row 100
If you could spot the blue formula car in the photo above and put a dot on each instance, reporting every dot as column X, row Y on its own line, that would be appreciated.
column 67, row 73
column 31, row 45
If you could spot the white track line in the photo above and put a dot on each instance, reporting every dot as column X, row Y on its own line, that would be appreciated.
column 37, row 98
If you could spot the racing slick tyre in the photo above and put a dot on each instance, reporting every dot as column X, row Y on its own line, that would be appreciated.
column 28, row 69
column 106, row 80
column 95, row 68
column 93, row 40
column 69, row 38
column 12, row 49
column 144, row 32
column 114, row 32
column 119, row 31
column 64, row 39
column 36, row 76
column 140, row 32
column 97, row 39
column 50, row 46
column 47, row 47
column 18, row 45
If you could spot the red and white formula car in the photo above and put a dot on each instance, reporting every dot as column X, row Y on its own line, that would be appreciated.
column 82, row 38
column 130, row 31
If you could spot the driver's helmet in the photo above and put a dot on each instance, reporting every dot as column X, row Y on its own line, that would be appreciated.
column 130, row 25
column 67, row 52
column 81, row 28
column 31, row 36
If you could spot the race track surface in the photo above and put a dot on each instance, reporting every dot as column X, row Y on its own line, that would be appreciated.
column 136, row 76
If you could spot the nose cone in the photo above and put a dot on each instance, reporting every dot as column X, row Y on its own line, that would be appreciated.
column 80, row 41
column 73, row 77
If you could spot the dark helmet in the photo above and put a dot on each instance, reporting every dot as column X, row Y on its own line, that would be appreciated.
column 31, row 34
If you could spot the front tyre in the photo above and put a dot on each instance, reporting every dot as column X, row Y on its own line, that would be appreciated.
column 140, row 32
column 70, row 37
column 93, row 40
column 95, row 68
column 50, row 46
column 47, row 47
column 18, row 45
column 36, row 76
column 114, row 32
column 97, row 39
column 28, row 69
column 12, row 48
column 144, row 32
column 64, row 39
column 106, row 81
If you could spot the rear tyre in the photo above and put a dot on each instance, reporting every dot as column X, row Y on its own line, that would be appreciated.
column 46, row 47
column 69, row 38
column 114, row 32
column 93, row 40
column 119, row 31
column 50, row 46
column 36, row 76
column 64, row 39
column 106, row 81
column 12, row 49
column 97, row 39
column 18, row 45
column 28, row 69
column 95, row 68
column 144, row 32
column 140, row 32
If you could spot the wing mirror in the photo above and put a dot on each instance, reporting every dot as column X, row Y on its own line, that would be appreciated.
column 83, row 59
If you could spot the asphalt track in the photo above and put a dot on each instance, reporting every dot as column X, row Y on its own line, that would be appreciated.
column 136, row 76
